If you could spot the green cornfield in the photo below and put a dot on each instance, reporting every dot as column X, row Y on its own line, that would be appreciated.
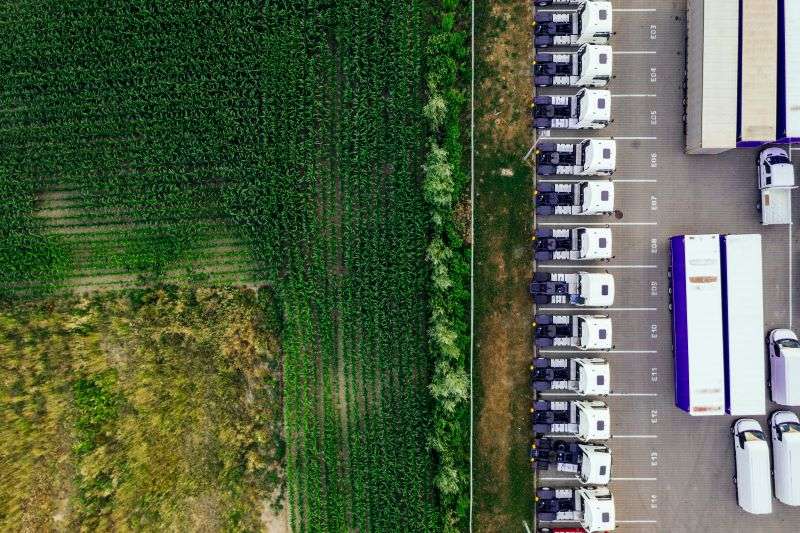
column 276, row 142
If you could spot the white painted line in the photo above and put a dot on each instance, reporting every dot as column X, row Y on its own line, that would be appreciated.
column 580, row 309
column 472, row 259
column 564, row 478
column 580, row 265
column 529, row 152
column 573, row 393
column 634, row 52
column 634, row 479
column 634, row 436
column 637, row 521
column 598, row 223
column 611, row 138
column 635, row 10
column 633, row 95
column 556, row 180
column 576, row 351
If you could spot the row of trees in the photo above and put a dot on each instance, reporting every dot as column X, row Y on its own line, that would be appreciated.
column 448, row 254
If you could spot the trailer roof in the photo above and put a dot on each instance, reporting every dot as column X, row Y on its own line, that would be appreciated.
column 745, row 380
column 790, row 71
column 758, row 73
column 697, row 324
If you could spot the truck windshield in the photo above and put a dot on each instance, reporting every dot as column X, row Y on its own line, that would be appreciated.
column 789, row 343
column 778, row 160
column 788, row 427
column 751, row 435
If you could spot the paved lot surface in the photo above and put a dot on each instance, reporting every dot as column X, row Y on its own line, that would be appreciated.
column 672, row 472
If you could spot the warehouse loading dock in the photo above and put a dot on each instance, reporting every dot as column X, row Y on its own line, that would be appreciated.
column 742, row 74
column 711, row 95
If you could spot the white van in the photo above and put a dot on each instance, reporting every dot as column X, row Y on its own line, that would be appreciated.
column 753, row 480
column 784, row 366
column 786, row 456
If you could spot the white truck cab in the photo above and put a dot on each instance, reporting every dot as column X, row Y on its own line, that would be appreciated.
column 595, row 332
column 586, row 420
column 588, row 157
column 598, row 509
column 591, row 23
column 583, row 198
column 579, row 375
column 785, row 428
column 589, row 66
column 595, row 243
column 594, row 108
column 753, row 480
column 784, row 365
column 776, row 181
column 594, row 420
column 596, row 464
column 592, row 289
column 585, row 332
column 574, row 244
column 596, row 289
column 587, row 109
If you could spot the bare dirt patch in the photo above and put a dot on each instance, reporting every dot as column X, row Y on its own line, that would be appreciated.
column 505, row 91
column 503, row 482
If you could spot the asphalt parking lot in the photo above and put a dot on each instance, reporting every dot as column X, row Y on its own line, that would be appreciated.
column 671, row 472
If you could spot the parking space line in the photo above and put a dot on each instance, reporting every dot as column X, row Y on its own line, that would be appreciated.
column 634, row 436
column 623, row 138
column 635, row 10
column 556, row 180
column 634, row 479
column 598, row 223
column 617, row 394
column 633, row 96
column 637, row 521
column 546, row 351
column 545, row 265
column 598, row 309
column 634, row 52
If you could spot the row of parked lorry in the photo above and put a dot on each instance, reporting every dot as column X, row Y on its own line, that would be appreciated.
column 569, row 435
